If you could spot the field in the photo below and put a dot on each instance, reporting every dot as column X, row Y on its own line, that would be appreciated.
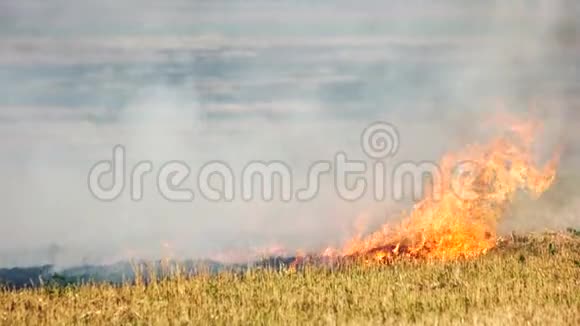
column 531, row 279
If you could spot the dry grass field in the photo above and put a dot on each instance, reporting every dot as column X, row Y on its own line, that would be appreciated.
column 532, row 279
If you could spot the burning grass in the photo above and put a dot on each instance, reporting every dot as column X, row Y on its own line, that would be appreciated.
column 430, row 269
column 525, row 279
column 478, row 185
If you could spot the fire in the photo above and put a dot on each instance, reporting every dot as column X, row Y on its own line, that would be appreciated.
column 478, row 185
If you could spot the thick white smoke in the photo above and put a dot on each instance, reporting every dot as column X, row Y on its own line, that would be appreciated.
column 295, row 82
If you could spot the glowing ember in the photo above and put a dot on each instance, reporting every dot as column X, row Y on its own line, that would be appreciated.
column 460, row 221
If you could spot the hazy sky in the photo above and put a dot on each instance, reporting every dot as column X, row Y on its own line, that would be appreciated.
column 243, row 80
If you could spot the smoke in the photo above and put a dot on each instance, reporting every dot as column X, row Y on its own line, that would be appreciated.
column 294, row 82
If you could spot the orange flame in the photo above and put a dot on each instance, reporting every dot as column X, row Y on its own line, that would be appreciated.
column 461, row 221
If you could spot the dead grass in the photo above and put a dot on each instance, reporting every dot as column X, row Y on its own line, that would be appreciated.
column 528, row 280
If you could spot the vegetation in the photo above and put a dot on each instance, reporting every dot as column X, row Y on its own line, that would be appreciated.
column 531, row 279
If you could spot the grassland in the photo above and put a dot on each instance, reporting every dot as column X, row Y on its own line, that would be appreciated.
column 527, row 280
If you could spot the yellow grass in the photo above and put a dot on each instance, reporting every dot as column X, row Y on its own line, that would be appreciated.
column 533, row 280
